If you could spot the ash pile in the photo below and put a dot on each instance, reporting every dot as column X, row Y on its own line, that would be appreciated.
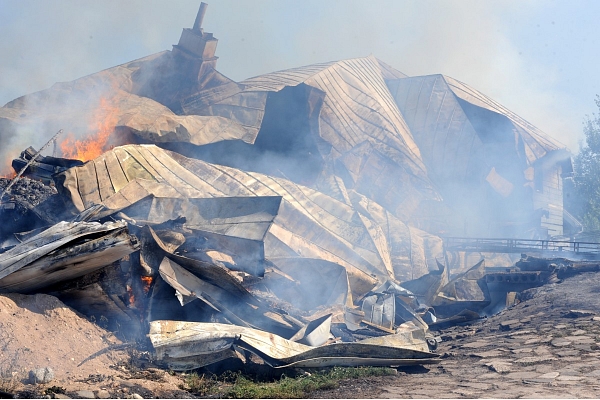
column 296, row 216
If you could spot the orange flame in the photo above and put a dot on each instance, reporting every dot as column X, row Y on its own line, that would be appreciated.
column 147, row 280
column 7, row 171
column 131, row 296
column 8, row 175
column 105, row 119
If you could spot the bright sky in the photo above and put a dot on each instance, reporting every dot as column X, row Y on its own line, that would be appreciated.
column 540, row 59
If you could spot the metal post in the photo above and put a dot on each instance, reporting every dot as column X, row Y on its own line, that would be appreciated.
column 200, row 17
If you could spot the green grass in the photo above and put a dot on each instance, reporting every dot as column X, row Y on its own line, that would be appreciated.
column 239, row 386
column 200, row 384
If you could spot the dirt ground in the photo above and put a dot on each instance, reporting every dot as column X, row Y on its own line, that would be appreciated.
column 40, row 331
column 548, row 346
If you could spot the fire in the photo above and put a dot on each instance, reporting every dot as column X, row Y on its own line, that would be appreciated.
column 8, row 174
column 105, row 119
column 147, row 281
column 6, row 171
column 131, row 296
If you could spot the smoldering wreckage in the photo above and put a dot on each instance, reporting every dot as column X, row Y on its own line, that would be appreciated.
column 300, row 216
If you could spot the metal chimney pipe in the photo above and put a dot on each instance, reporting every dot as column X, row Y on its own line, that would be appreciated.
column 200, row 17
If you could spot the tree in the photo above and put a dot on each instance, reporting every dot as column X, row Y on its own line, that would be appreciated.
column 584, row 201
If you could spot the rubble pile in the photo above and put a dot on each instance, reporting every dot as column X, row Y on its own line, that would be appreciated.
column 295, row 216
column 18, row 208
column 26, row 193
column 544, row 347
column 216, row 265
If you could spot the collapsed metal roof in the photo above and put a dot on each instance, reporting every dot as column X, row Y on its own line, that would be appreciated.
column 292, row 220
column 325, row 187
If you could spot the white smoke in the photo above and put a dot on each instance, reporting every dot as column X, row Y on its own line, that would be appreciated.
column 494, row 46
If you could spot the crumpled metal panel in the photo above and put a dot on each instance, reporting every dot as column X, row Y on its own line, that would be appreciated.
column 466, row 290
column 358, row 109
column 315, row 333
column 67, row 250
column 474, row 147
column 427, row 286
column 234, row 308
column 308, row 223
column 183, row 339
column 174, row 338
column 390, row 307
column 430, row 104
column 535, row 139
column 380, row 310
column 213, row 274
column 309, row 283
column 351, row 77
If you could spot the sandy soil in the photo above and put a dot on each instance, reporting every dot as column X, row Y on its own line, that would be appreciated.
column 40, row 331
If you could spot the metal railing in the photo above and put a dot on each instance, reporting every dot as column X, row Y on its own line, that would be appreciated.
column 498, row 245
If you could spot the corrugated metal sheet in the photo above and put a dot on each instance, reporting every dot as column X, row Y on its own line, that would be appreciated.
column 472, row 144
column 174, row 339
column 357, row 106
column 309, row 223
column 535, row 139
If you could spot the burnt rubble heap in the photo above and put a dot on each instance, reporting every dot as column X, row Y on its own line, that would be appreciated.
column 297, row 216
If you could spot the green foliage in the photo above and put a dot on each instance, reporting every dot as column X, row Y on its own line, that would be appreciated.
column 300, row 386
column 243, row 387
column 585, row 203
column 200, row 384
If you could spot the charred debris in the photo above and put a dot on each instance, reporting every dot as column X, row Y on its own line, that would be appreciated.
column 297, row 216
